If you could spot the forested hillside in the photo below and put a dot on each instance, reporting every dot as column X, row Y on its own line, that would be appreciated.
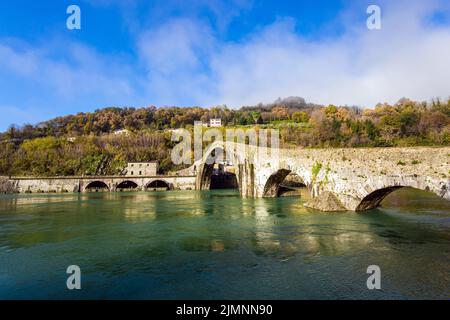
column 85, row 143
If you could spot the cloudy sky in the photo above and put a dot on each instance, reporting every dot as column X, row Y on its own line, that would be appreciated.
column 206, row 52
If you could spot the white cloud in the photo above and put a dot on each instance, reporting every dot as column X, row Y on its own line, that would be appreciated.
column 408, row 57
column 41, row 86
column 176, row 58
column 178, row 45
column 82, row 72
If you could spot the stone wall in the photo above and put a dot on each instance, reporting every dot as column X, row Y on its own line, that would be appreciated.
column 80, row 184
column 7, row 186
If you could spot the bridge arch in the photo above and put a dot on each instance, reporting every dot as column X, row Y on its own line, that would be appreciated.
column 373, row 198
column 292, row 185
column 158, row 184
column 283, row 181
column 96, row 186
column 127, row 185
column 272, row 186
column 206, row 167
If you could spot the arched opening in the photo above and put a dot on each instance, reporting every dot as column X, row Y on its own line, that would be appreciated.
column 373, row 199
column 292, row 185
column 126, row 186
column 97, row 186
column 218, row 174
column 224, row 180
column 157, row 185
column 283, row 183
column 388, row 197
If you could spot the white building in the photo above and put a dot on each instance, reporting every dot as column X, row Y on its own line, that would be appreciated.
column 215, row 122
column 200, row 123
column 135, row 169
column 122, row 131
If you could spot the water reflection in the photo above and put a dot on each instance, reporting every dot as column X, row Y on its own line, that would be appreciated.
column 11, row 202
column 170, row 238
column 312, row 234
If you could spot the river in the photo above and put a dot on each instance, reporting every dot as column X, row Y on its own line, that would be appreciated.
column 216, row 245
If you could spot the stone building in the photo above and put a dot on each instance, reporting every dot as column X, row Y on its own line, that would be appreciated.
column 135, row 169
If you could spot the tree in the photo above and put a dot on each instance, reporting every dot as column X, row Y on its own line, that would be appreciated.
column 300, row 116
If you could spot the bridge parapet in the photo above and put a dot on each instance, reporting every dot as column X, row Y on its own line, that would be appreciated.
column 81, row 184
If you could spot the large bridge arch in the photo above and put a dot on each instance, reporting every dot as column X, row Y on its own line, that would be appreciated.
column 205, row 166
column 373, row 198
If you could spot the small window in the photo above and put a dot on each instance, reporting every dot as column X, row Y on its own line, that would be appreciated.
column 140, row 173
column 132, row 172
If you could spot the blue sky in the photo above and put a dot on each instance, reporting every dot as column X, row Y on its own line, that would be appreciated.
column 200, row 52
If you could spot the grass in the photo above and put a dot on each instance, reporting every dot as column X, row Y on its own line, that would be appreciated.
column 316, row 169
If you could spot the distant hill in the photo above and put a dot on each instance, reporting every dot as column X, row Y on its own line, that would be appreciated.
column 110, row 119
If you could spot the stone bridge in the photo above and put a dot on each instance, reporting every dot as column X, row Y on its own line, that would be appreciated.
column 106, row 183
column 355, row 179
column 338, row 179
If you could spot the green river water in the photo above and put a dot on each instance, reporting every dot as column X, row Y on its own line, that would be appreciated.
column 216, row 245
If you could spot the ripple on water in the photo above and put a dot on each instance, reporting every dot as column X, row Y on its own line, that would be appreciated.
column 213, row 244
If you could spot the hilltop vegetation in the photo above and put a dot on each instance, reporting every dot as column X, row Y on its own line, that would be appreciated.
column 84, row 143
